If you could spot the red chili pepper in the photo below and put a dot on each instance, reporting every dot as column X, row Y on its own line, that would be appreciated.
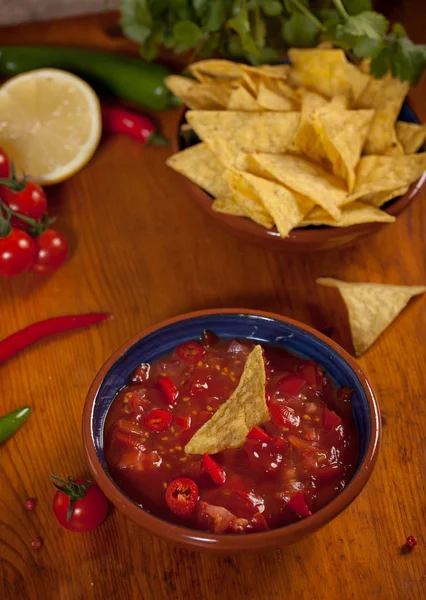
column 33, row 333
column 290, row 385
column 208, row 465
column 169, row 389
column 158, row 419
column 330, row 419
column 182, row 496
column 184, row 422
column 258, row 434
column 133, row 124
column 298, row 504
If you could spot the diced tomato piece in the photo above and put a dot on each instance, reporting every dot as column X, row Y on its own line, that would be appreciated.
column 257, row 523
column 190, row 351
column 182, row 496
column 290, row 385
column 141, row 373
column 170, row 391
column 129, row 427
column 158, row 420
column 197, row 386
column 213, row 518
column 139, row 460
column 329, row 472
column 129, row 460
column 301, row 445
column 236, row 348
column 298, row 504
column 309, row 372
column 279, row 442
column 129, row 440
column 258, row 434
column 330, row 419
column 216, row 472
column 183, row 421
column 283, row 416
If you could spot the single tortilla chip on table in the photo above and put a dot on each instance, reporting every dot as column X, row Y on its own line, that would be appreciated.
column 386, row 173
column 371, row 307
column 250, row 131
column 352, row 214
column 286, row 207
column 200, row 165
column 303, row 177
column 246, row 408
column 411, row 136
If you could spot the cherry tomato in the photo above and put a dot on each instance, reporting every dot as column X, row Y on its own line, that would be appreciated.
column 89, row 505
column 190, row 351
column 216, row 472
column 52, row 252
column 182, row 496
column 17, row 253
column 30, row 202
column 4, row 164
column 170, row 391
column 158, row 420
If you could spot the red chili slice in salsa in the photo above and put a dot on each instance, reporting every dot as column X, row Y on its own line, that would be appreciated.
column 288, row 467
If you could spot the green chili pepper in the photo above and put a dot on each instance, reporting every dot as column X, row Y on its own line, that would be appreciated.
column 10, row 423
column 123, row 76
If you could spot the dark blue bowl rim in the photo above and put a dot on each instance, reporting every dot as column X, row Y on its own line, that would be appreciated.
column 202, row 539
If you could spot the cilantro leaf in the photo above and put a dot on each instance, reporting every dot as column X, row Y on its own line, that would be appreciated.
column 300, row 31
column 216, row 15
column 353, row 7
column 240, row 23
column 187, row 34
column 272, row 8
column 362, row 33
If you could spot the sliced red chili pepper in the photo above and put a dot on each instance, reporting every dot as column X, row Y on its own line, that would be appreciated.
column 298, row 504
column 330, row 419
column 158, row 419
column 216, row 472
column 258, row 434
column 190, row 351
column 283, row 416
column 182, row 496
column 279, row 442
column 184, row 422
column 169, row 389
column 257, row 523
column 31, row 334
column 290, row 385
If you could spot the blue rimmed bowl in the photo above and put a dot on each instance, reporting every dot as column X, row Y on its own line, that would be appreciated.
column 232, row 323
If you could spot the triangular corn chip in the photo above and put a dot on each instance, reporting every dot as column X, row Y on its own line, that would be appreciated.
column 241, row 99
column 387, row 173
column 287, row 208
column 371, row 307
column 216, row 69
column 205, row 96
column 246, row 408
column 251, row 132
column 228, row 206
column 276, row 95
column 352, row 214
column 305, row 178
column 379, row 198
column 411, row 136
column 268, row 71
column 251, row 204
column 343, row 134
column 201, row 166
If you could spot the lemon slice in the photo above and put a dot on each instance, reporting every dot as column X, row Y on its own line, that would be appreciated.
column 50, row 123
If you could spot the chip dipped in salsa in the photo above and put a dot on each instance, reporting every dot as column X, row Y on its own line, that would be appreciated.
column 297, row 459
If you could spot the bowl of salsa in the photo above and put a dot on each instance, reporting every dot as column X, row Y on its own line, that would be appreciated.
column 231, row 430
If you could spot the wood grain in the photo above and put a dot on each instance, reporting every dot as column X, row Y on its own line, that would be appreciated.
column 142, row 252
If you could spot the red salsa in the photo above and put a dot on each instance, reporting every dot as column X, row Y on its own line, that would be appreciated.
column 287, row 469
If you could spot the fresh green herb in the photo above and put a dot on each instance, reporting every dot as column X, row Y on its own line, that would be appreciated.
column 260, row 30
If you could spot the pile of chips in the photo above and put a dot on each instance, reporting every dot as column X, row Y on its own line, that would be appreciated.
column 311, row 144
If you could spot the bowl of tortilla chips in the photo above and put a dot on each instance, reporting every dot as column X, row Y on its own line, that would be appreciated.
column 304, row 156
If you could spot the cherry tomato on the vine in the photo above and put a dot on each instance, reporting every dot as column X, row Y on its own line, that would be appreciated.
column 52, row 252
column 17, row 253
column 89, row 505
column 30, row 202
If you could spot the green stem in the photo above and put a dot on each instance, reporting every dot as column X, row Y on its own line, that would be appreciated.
column 341, row 9
column 11, row 213
column 308, row 14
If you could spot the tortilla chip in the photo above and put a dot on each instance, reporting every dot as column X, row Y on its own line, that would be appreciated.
column 387, row 173
column 371, row 307
column 251, row 132
column 305, row 178
column 306, row 140
column 246, row 408
column 276, row 95
column 342, row 134
column 228, row 206
column 352, row 214
column 382, row 138
column 216, row 69
column 249, row 203
column 287, row 208
column 339, row 102
column 268, row 71
column 228, row 153
column 206, row 96
column 380, row 198
column 411, row 136
column 201, row 167
column 241, row 99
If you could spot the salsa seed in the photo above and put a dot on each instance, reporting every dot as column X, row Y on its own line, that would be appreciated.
column 217, row 367
column 172, row 428
column 171, row 450
column 232, row 378
column 194, row 412
column 164, row 439
column 163, row 374
column 164, row 485
column 200, row 363
column 178, row 447
column 306, row 417
column 185, row 398
column 316, row 419
column 321, row 458
column 225, row 370
column 183, row 459
column 209, row 408
column 286, row 429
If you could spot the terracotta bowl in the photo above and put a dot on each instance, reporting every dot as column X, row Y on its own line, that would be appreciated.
column 231, row 323
column 307, row 239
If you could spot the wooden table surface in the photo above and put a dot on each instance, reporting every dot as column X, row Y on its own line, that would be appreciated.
column 141, row 250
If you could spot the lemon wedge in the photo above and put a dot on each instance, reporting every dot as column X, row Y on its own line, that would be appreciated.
column 50, row 123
